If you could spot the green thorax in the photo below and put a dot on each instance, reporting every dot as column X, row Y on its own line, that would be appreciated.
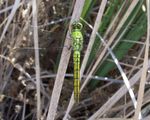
column 77, row 38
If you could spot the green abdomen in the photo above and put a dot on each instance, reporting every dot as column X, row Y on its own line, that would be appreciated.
column 76, row 60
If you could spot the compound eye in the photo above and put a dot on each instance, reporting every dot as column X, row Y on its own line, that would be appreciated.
column 79, row 26
column 73, row 26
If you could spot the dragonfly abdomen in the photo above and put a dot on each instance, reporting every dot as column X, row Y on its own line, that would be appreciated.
column 76, row 59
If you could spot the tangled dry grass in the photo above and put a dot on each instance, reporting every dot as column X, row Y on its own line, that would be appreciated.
column 35, row 60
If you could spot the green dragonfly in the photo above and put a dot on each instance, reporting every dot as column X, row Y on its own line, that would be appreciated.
column 77, row 44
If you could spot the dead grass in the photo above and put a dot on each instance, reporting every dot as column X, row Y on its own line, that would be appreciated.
column 34, row 62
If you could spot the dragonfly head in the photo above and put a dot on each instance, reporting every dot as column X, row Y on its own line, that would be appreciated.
column 76, row 25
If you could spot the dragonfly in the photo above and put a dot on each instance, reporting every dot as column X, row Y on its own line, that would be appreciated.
column 77, row 44
column 77, row 47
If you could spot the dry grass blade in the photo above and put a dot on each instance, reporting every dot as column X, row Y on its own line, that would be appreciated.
column 137, row 60
column 145, row 67
column 122, row 91
column 114, row 20
column 6, row 9
column 37, row 63
column 130, row 9
column 63, row 65
column 146, row 99
column 91, row 42
column 128, row 12
column 93, row 35
column 120, row 70
column 13, row 11
column 111, row 26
